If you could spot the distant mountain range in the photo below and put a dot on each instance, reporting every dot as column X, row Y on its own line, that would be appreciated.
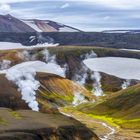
column 9, row 23
column 122, row 31
column 29, row 32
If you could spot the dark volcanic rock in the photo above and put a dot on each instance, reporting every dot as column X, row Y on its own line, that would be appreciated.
column 31, row 125
column 11, row 24
column 9, row 96
column 128, row 41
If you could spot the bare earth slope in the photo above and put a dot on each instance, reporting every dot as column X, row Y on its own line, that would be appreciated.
column 54, row 91
column 31, row 125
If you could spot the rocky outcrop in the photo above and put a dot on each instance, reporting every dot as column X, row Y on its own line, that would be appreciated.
column 25, row 124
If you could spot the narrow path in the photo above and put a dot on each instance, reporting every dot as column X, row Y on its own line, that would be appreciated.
column 112, row 131
column 104, row 131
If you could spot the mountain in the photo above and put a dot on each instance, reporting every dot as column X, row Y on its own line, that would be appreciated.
column 48, row 26
column 12, row 24
column 9, row 23
column 122, row 107
column 29, row 32
column 122, row 31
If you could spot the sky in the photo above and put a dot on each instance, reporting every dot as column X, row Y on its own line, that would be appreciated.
column 86, row 15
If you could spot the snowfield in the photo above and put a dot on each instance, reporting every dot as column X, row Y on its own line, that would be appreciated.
column 126, row 68
column 32, row 25
column 23, row 75
column 133, row 50
column 38, row 66
column 10, row 46
column 67, row 29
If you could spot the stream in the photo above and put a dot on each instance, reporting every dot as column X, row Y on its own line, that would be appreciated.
column 105, row 137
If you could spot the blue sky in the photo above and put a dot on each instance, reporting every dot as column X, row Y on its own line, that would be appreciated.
column 87, row 15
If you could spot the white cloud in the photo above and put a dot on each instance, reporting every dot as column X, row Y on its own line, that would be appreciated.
column 66, row 5
column 5, row 8
column 121, row 4
column 18, row 1
column 106, row 17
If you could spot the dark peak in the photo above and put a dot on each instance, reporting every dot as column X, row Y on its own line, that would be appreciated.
column 8, row 15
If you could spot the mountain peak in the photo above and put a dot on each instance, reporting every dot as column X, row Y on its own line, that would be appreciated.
column 32, row 25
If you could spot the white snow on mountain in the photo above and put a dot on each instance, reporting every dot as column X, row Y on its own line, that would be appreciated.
column 126, row 68
column 48, row 26
column 67, row 29
column 32, row 25
column 133, row 50
column 116, row 31
column 39, row 66
column 32, row 38
column 10, row 46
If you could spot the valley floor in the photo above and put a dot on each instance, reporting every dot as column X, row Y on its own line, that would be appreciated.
column 102, row 129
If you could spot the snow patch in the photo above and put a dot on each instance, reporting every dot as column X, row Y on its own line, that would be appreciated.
column 133, row 50
column 11, row 45
column 32, row 25
column 32, row 38
column 67, row 29
column 125, row 68
column 39, row 66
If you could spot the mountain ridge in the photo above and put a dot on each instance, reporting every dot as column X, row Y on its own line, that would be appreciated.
column 9, row 23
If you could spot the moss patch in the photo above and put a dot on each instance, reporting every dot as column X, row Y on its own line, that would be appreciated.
column 2, row 121
column 112, row 121
column 15, row 115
